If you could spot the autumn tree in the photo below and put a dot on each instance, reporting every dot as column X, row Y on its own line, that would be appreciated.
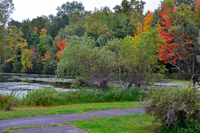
column 16, row 34
column 62, row 44
column 144, row 26
column 180, row 35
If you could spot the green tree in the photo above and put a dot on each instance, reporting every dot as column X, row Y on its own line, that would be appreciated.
column 81, row 58
column 45, row 41
column 97, row 25
column 139, row 58
column 118, row 25
column 132, row 11
column 34, row 39
column 16, row 34
column 77, row 18
column 6, row 8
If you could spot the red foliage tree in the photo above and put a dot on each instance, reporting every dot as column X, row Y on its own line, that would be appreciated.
column 178, row 45
column 62, row 44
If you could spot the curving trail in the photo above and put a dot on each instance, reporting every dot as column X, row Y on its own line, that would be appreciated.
column 46, row 120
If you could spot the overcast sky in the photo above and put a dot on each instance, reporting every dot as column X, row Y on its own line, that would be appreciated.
column 32, row 8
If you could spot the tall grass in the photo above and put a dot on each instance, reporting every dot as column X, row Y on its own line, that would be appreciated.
column 51, row 97
column 6, row 101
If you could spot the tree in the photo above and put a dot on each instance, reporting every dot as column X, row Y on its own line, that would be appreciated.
column 195, row 15
column 71, row 30
column 79, row 18
column 39, row 22
column 69, row 8
column 144, row 26
column 26, row 59
column 180, row 35
column 45, row 41
column 97, row 26
column 16, row 35
column 139, row 59
column 118, row 25
column 91, row 63
column 34, row 39
column 132, row 11
column 6, row 8
column 62, row 44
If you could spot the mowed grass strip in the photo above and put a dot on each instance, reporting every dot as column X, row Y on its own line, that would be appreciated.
column 27, row 111
column 136, row 123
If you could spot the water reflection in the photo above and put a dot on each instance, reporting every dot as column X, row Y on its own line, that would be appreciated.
column 20, row 84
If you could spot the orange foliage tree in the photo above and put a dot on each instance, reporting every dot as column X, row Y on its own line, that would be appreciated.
column 144, row 26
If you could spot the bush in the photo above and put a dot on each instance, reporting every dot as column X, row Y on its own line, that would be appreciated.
column 17, row 67
column 176, row 109
column 7, row 101
column 179, row 76
column 7, row 67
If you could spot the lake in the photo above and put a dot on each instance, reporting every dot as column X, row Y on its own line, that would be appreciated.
column 21, row 84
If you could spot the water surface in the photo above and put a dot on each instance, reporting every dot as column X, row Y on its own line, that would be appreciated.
column 21, row 84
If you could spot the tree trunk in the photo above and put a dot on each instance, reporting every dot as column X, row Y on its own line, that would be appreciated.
column 130, row 84
column 16, row 50
column 104, row 85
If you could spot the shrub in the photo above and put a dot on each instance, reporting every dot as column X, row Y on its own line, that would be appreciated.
column 179, row 76
column 7, row 101
column 175, row 108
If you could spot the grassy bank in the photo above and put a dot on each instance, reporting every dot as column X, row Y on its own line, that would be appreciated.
column 28, row 111
column 51, row 97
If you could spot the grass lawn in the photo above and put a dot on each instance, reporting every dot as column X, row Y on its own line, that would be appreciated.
column 25, row 111
column 136, row 123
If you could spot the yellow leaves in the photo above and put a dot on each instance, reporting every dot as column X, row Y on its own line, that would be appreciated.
column 22, row 43
column 43, row 32
column 143, row 26
column 26, row 59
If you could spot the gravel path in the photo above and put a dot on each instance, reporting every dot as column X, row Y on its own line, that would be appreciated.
column 59, row 119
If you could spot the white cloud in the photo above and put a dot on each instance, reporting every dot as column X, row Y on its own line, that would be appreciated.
column 32, row 8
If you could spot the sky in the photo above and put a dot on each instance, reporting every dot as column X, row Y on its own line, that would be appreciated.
column 25, row 9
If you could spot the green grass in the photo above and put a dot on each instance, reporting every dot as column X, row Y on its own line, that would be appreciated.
column 17, row 112
column 136, row 123
column 51, row 97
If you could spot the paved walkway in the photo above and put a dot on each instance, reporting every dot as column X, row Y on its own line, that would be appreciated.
column 59, row 119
